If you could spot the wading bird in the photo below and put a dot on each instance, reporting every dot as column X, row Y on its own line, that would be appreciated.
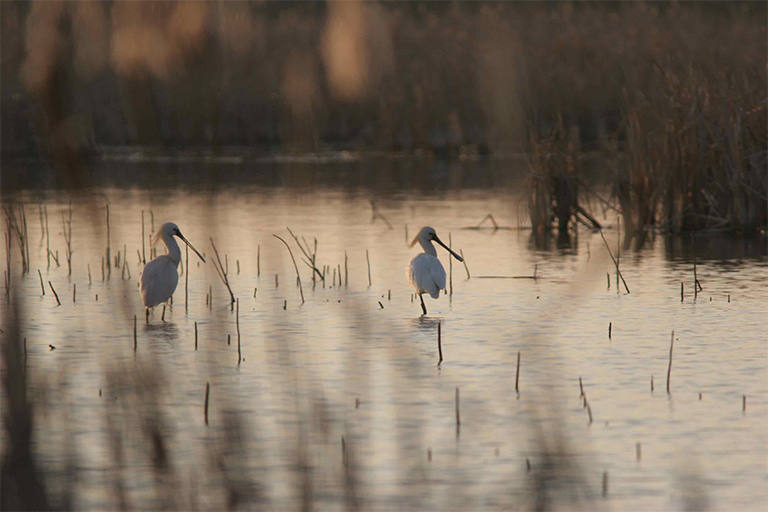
column 425, row 272
column 160, row 277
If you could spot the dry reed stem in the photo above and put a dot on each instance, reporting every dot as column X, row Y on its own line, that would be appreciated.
column 237, row 324
column 439, row 343
column 296, row 267
column 614, row 261
column 205, row 407
column 517, row 376
column 369, row 267
column 54, row 293
column 450, row 267
column 222, row 272
column 464, row 260
column 669, row 369
column 42, row 287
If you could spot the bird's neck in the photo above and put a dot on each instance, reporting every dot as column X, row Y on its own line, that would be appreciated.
column 428, row 247
column 174, row 253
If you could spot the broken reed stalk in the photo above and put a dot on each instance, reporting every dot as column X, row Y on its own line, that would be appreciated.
column 406, row 234
column 682, row 292
column 651, row 383
column 346, row 274
column 54, row 293
column 237, row 324
column 517, row 375
column 258, row 260
column 610, row 325
column 143, row 250
column 311, row 257
column 367, row 259
column 618, row 252
column 669, row 370
column 296, row 267
column 439, row 343
column 42, row 286
column 74, row 292
column 89, row 275
column 186, row 279
column 743, row 403
column 135, row 342
column 614, row 262
column 464, row 260
column 222, row 272
column 589, row 409
column 581, row 388
column 47, row 237
column 458, row 417
column 67, row 232
column 450, row 267
column 207, row 395
column 109, row 247
column 195, row 335
column 696, row 285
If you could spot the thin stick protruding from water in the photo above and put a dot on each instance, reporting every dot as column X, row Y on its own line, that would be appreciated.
column 517, row 376
column 195, row 335
column 614, row 262
column 458, row 416
column 135, row 339
column 42, row 286
column 581, row 388
column 346, row 274
column 669, row 370
column 296, row 267
column 47, row 237
column 696, row 284
column 207, row 395
column 610, row 326
column 367, row 259
column 258, row 260
column 439, row 343
column 237, row 323
column 143, row 250
column 222, row 271
column 54, row 293
column 74, row 292
column 109, row 247
column 464, row 260
column 450, row 267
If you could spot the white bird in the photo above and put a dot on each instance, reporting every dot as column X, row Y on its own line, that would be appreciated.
column 425, row 272
column 160, row 277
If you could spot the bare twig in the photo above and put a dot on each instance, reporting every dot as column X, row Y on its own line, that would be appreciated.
column 298, row 277
column 221, row 270
column 614, row 261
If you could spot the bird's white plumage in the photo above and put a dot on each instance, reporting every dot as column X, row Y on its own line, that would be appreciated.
column 426, row 274
column 160, row 276
column 158, row 281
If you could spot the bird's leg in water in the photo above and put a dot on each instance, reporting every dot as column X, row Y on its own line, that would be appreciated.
column 147, row 315
column 163, row 315
column 423, row 307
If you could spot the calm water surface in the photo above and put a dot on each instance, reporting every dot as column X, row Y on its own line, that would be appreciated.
column 360, row 362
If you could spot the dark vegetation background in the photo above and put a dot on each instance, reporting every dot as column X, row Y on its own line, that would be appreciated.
column 672, row 95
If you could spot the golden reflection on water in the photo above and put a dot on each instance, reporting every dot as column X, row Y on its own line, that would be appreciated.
column 343, row 366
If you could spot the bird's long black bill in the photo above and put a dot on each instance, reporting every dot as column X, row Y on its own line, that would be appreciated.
column 449, row 250
column 191, row 247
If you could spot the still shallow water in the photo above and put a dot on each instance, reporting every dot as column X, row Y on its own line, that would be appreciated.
column 341, row 365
